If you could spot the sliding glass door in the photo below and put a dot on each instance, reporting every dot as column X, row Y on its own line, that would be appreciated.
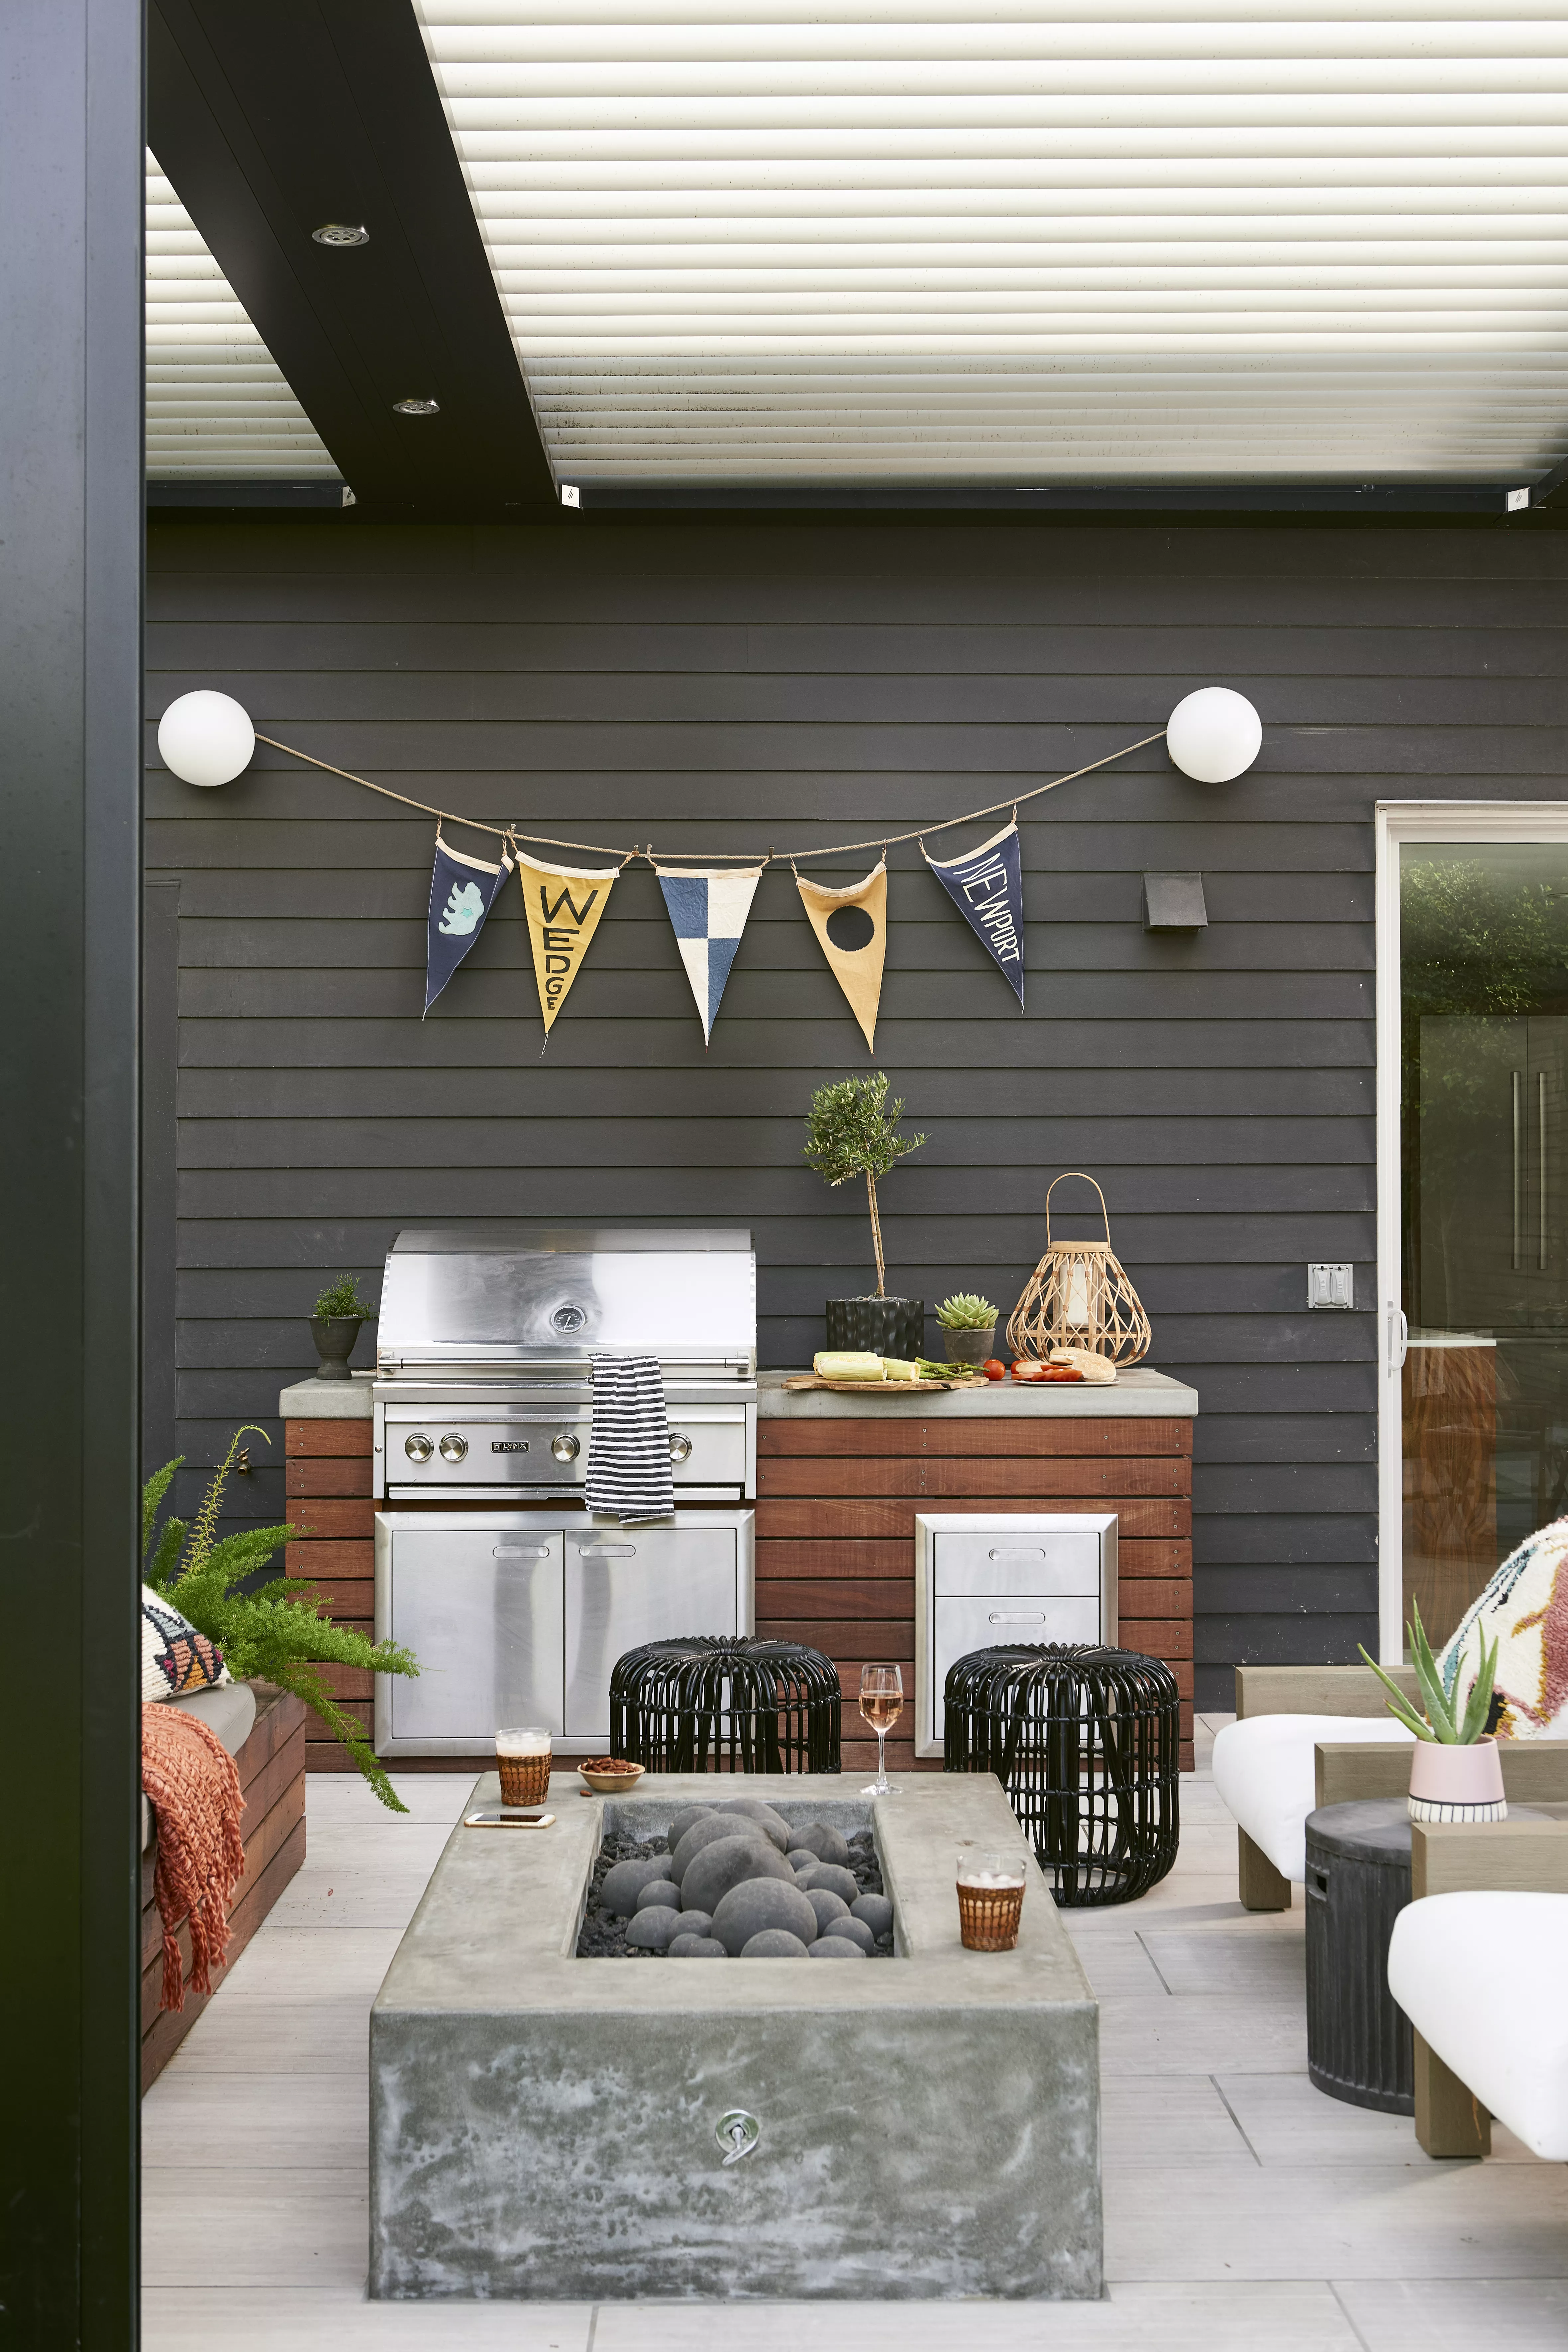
column 1477, row 1345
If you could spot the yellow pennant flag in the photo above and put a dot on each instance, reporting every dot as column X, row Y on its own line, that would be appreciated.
column 852, row 926
column 563, row 905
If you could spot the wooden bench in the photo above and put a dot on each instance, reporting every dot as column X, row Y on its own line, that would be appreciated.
column 271, row 1767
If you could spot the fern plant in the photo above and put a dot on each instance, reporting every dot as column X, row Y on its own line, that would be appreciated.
column 279, row 1633
column 1455, row 1723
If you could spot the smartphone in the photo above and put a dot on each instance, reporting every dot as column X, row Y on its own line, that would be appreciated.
column 490, row 1817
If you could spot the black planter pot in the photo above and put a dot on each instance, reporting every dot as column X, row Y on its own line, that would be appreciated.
column 334, row 1336
column 886, row 1327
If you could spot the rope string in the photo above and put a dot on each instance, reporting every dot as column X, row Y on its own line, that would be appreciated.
column 706, row 856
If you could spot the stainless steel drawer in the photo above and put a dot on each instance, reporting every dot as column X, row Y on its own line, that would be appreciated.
column 1021, row 1563
column 625, row 1586
column 990, row 1580
column 481, row 1609
column 991, row 1624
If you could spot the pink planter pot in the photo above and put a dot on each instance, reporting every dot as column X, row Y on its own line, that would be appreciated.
column 1457, row 1784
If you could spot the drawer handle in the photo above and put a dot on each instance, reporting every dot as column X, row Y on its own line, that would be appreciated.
column 1038, row 1553
column 609, row 1551
column 520, row 1551
column 1017, row 1617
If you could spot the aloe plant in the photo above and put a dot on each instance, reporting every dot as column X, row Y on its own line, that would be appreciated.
column 1444, row 1720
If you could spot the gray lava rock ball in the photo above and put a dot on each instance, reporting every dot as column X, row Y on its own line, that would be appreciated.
column 763, row 1815
column 708, row 1831
column 626, row 1883
column 852, row 1931
column 834, row 1948
column 826, row 1905
column 817, row 1838
column 658, row 1890
column 726, row 1864
column 695, row 1923
column 653, row 1930
column 802, row 1859
column 838, row 1881
column 764, row 1904
column 773, row 1944
column 687, row 1819
column 698, row 1947
column 875, row 1911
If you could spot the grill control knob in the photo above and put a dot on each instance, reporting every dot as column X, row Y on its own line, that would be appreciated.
column 453, row 1447
column 418, row 1449
column 564, row 1448
column 680, row 1449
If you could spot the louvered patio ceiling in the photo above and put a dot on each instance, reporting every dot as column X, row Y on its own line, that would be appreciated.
column 799, row 242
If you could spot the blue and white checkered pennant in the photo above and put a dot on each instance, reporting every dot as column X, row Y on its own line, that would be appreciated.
column 709, row 913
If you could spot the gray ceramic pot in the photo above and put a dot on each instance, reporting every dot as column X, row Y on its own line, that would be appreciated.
column 885, row 1326
column 971, row 1347
column 334, row 1336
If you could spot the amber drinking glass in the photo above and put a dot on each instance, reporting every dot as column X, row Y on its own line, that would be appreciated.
column 881, row 1704
column 522, row 1760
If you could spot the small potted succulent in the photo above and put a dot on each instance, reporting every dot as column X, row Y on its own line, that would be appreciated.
column 968, row 1325
column 852, row 1131
column 1456, row 1772
column 335, row 1319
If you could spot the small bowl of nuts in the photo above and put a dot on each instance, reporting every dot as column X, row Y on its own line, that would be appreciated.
column 610, row 1776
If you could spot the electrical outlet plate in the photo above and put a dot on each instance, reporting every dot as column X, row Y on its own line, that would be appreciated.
column 1331, row 1285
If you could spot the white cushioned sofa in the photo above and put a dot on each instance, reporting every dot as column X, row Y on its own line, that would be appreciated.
column 1481, row 1976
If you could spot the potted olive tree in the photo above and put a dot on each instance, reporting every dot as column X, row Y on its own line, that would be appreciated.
column 851, row 1131
column 335, row 1319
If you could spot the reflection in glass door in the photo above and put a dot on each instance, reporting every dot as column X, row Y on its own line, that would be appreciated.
column 1483, row 988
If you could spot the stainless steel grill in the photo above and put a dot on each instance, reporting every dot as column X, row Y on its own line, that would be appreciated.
column 482, row 1386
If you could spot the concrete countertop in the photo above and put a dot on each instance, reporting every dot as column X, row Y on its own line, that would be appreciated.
column 1138, row 1394
column 314, row 1400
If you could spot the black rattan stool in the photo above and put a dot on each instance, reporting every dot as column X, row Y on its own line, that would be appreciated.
column 712, row 1704
column 1087, row 1744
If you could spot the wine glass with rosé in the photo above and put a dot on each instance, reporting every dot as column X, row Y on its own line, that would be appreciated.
column 881, row 1704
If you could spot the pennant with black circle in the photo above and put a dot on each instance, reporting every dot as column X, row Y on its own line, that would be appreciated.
column 463, row 889
column 986, row 885
column 852, row 926
column 565, row 906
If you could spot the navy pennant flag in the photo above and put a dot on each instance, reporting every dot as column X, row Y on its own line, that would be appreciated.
column 462, row 892
column 987, row 888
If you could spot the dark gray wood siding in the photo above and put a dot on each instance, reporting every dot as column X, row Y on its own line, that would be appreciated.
column 732, row 687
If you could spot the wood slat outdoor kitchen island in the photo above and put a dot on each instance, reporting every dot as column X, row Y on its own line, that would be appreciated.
column 839, row 1481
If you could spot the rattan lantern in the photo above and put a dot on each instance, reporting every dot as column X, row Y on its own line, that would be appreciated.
column 1079, row 1297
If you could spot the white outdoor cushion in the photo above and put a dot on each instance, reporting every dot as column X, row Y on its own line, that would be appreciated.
column 1265, row 1771
column 1480, row 1978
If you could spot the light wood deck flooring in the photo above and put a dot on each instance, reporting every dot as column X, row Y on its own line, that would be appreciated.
column 1243, row 2209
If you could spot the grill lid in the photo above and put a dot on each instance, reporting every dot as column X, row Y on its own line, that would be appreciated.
column 519, row 1292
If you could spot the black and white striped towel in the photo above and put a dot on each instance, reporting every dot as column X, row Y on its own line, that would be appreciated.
column 629, row 1474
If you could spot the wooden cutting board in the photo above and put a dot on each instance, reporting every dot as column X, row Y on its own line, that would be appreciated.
column 880, row 1388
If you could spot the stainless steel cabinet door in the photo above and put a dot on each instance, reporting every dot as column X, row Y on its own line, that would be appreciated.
column 482, row 1608
column 627, row 1586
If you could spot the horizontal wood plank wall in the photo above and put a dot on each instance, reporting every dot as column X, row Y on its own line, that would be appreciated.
column 726, row 686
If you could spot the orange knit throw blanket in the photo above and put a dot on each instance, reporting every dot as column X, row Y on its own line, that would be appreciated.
column 190, row 1778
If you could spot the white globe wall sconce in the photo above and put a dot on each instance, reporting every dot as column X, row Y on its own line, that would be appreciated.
column 1213, row 735
column 206, row 738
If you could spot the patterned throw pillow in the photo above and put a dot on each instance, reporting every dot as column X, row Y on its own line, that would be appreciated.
column 1524, row 1609
column 175, row 1658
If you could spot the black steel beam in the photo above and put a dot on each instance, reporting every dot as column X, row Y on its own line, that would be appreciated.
column 71, row 173
column 1395, row 500
column 273, row 120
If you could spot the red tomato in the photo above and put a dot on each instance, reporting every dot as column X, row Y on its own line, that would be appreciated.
column 995, row 1369
column 1023, row 1370
column 1059, row 1372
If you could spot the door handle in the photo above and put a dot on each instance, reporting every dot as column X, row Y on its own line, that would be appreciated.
column 1398, row 1347
column 520, row 1551
column 1017, row 1617
column 607, row 1551
column 1518, row 1077
column 1037, row 1554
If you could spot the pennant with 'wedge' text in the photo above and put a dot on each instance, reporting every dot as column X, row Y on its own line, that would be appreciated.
column 462, row 891
column 852, row 926
column 565, row 906
column 986, row 885
column 708, row 912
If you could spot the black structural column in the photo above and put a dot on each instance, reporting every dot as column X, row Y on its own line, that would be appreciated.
column 70, row 660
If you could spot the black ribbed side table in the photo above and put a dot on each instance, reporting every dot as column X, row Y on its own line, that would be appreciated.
column 721, row 1704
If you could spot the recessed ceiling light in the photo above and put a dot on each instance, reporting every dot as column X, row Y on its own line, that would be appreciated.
column 417, row 407
column 339, row 233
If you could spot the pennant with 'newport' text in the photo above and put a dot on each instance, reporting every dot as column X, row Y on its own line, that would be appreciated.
column 563, row 905
column 986, row 885
column 852, row 926
column 708, row 911
column 462, row 892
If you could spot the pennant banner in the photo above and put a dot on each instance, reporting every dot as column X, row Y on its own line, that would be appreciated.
column 708, row 912
column 462, row 892
column 852, row 926
column 563, row 905
column 987, row 888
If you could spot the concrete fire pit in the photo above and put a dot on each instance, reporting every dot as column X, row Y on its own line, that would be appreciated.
column 544, row 2126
